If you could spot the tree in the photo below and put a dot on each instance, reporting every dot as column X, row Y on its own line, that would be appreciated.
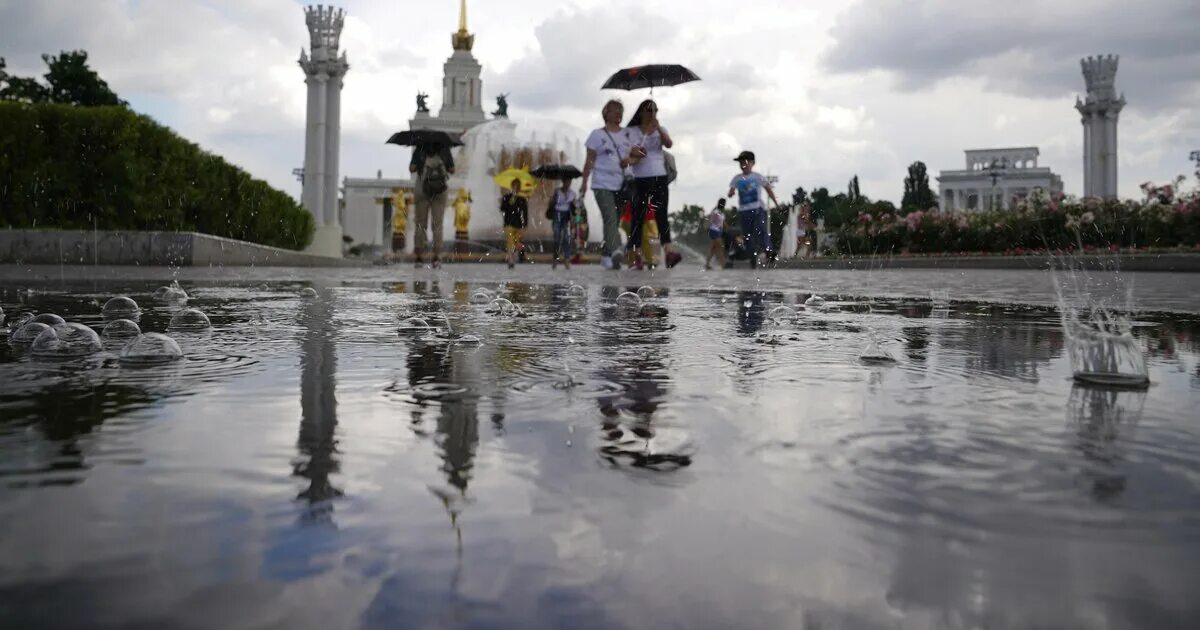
column 800, row 196
column 69, row 81
column 688, row 220
column 917, row 194
column 822, row 203
column 853, row 193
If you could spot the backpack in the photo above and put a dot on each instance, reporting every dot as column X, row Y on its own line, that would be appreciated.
column 669, row 163
column 434, row 177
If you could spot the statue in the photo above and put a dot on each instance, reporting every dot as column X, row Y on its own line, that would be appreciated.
column 501, row 106
column 462, row 217
column 422, row 108
column 399, row 220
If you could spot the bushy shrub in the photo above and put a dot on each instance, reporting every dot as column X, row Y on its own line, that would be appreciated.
column 75, row 167
column 1163, row 219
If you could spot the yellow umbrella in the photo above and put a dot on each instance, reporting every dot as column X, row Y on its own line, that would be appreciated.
column 528, row 183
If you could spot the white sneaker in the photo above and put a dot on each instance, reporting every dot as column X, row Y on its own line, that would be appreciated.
column 606, row 262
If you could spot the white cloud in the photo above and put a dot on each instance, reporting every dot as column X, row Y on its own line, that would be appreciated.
column 821, row 91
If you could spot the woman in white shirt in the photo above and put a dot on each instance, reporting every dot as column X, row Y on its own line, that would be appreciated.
column 605, row 166
column 647, row 139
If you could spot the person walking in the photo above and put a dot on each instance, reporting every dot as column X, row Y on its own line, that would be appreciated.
column 647, row 139
column 432, row 166
column 563, row 206
column 605, row 168
column 716, row 236
column 749, row 187
column 515, row 210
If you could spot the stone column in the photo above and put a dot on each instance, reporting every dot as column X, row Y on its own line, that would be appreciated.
column 311, row 195
column 333, row 134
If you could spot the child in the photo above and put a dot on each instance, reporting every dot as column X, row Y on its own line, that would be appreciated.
column 749, row 186
column 515, row 209
column 564, row 204
column 581, row 231
column 716, row 235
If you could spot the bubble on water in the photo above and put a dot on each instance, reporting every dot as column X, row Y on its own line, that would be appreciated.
column 415, row 325
column 171, row 293
column 308, row 292
column 874, row 354
column 815, row 301
column 502, row 306
column 646, row 292
column 151, row 349
column 49, row 319
column 121, row 329
column 469, row 339
column 120, row 306
column 577, row 291
column 66, row 341
column 629, row 300
column 27, row 332
column 781, row 313
column 482, row 296
column 1, row 315
column 189, row 319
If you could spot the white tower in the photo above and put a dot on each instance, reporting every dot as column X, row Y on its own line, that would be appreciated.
column 462, row 89
column 1099, row 112
column 324, row 71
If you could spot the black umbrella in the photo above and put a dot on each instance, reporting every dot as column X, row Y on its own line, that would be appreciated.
column 650, row 76
column 556, row 171
column 418, row 137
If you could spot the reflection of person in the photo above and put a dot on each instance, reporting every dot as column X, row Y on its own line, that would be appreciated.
column 605, row 167
column 649, row 232
column 749, row 187
column 716, row 235
column 579, row 225
column 563, row 205
column 804, row 231
column 515, row 209
column 432, row 166
column 647, row 139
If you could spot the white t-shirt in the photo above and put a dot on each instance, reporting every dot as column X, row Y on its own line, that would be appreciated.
column 653, row 164
column 611, row 147
column 716, row 220
column 563, row 199
column 749, row 190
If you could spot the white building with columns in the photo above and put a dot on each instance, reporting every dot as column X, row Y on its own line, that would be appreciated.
column 368, row 200
column 995, row 178
column 324, row 72
column 1099, row 113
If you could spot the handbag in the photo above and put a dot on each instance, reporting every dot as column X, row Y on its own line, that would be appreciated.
column 627, row 181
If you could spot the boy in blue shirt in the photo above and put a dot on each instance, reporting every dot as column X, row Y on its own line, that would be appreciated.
column 749, row 186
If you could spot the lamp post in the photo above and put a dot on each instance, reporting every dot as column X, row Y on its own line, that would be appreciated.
column 298, row 173
column 996, row 170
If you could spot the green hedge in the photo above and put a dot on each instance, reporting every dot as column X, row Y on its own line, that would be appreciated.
column 64, row 167
column 1164, row 219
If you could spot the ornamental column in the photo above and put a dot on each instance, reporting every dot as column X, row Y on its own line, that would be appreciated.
column 324, row 71
column 1100, row 112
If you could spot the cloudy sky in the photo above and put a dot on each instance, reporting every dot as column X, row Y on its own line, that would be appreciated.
column 820, row 90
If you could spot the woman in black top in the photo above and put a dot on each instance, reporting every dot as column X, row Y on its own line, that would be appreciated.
column 515, row 209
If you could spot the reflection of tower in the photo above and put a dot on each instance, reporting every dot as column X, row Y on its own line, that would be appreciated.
column 1100, row 110
column 324, row 71
column 318, row 401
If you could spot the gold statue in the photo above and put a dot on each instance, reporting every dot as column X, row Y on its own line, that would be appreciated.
column 462, row 218
column 399, row 219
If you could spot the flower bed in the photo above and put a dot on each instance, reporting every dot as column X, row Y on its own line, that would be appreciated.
column 1039, row 223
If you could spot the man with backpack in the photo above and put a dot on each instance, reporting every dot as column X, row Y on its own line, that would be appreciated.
column 431, row 166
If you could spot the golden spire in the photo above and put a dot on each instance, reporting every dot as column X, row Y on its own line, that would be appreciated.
column 462, row 40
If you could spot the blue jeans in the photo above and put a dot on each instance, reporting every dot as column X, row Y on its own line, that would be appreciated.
column 562, row 235
column 754, row 230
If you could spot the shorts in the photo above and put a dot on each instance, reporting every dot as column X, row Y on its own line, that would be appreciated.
column 512, row 238
column 714, row 234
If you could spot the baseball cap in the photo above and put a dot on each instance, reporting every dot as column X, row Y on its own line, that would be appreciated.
column 744, row 156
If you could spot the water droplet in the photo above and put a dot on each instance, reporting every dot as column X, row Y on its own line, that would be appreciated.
column 151, row 349
column 121, row 328
column 815, row 301
column 120, row 306
column 190, row 319
column 482, row 296
column 308, row 292
column 502, row 306
column 415, row 325
column 66, row 341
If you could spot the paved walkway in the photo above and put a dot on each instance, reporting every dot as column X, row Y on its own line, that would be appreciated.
column 1159, row 291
